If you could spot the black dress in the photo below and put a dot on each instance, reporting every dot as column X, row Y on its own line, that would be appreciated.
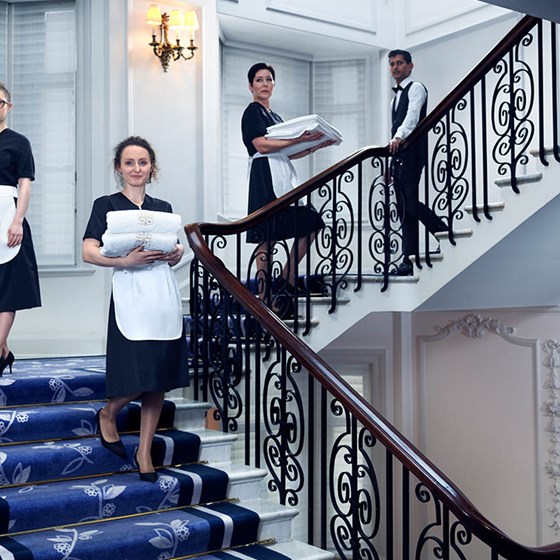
column 19, row 278
column 136, row 366
column 296, row 221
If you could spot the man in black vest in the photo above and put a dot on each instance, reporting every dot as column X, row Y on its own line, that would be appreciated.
column 407, row 109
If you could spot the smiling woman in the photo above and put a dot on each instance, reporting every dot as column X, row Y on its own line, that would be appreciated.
column 146, row 346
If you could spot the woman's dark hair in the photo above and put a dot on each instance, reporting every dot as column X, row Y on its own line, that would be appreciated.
column 134, row 141
column 260, row 66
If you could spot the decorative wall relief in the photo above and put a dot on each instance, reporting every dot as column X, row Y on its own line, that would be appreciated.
column 551, row 409
column 475, row 326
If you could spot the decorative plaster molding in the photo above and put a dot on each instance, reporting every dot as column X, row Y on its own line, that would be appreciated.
column 551, row 409
column 475, row 326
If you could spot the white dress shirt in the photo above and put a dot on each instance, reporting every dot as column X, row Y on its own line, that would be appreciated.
column 417, row 95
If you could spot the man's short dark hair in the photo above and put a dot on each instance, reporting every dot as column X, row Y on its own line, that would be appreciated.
column 405, row 54
column 259, row 66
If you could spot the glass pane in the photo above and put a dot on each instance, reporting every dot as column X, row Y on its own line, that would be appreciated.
column 43, row 86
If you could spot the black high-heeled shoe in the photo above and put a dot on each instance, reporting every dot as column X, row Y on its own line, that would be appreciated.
column 5, row 362
column 116, row 447
column 144, row 476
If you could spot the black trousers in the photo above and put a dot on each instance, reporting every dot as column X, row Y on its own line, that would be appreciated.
column 407, row 170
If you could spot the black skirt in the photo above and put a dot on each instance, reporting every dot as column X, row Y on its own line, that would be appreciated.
column 19, row 278
column 138, row 366
column 292, row 222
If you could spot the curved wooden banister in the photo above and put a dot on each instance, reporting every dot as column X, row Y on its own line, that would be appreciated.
column 356, row 404
column 397, row 445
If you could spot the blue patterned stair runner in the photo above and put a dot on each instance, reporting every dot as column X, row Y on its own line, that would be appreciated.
column 65, row 497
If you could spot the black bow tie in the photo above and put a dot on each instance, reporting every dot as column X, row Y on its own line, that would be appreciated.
column 396, row 88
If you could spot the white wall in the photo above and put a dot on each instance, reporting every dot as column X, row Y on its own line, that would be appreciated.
column 470, row 389
column 123, row 90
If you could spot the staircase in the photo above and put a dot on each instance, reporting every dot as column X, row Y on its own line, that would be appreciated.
column 64, row 496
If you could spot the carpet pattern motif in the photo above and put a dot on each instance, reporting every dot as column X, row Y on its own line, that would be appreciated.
column 63, row 496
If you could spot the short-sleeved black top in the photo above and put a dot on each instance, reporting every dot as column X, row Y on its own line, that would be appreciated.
column 16, row 158
column 254, row 123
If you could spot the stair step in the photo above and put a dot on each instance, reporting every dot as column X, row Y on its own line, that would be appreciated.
column 87, row 499
column 521, row 180
column 54, row 380
column 64, row 421
column 275, row 520
column 298, row 550
column 215, row 446
column 173, row 533
column 492, row 207
column 457, row 233
column 49, row 461
column 189, row 414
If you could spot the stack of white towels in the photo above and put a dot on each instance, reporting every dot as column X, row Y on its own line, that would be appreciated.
column 128, row 229
column 296, row 127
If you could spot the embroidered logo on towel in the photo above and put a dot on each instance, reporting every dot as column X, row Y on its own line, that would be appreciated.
column 143, row 237
column 145, row 219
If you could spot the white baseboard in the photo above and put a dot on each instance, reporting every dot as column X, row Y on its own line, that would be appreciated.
column 44, row 347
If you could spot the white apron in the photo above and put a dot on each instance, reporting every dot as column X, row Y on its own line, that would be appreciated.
column 7, row 214
column 284, row 176
column 147, row 303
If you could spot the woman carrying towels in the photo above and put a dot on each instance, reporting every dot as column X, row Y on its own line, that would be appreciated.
column 146, row 348
column 19, row 278
column 272, row 175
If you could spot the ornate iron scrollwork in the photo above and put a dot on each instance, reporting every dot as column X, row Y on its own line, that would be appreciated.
column 512, row 105
column 354, row 490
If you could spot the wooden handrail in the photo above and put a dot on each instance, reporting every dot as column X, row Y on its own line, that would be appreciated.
column 394, row 441
column 472, row 78
column 397, row 444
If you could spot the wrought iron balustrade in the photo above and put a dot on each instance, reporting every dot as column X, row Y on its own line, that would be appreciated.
column 365, row 490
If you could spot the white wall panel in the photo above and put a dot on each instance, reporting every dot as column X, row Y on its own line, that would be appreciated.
column 356, row 14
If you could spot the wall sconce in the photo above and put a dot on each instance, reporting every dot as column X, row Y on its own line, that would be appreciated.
column 177, row 20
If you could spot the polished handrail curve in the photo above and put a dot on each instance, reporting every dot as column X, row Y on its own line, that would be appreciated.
column 234, row 331
column 357, row 405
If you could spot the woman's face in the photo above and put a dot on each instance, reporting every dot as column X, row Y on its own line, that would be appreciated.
column 262, row 86
column 135, row 166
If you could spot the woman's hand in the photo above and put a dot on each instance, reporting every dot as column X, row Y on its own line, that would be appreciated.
column 140, row 257
column 175, row 256
column 15, row 234
column 310, row 136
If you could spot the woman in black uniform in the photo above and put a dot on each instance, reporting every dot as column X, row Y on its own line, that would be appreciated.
column 19, row 278
column 146, row 346
column 272, row 175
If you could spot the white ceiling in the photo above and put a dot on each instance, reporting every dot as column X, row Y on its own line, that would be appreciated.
column 546, row 9
column 235, row 30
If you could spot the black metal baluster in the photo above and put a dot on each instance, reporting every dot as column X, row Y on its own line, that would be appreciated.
column 389, row 511
column 360, row 227
column 323, row 470
column 484, row 134
column 405, row 513
column 554, row 79
column 473, row 162
column 448, row 174
column 540, row 67
column 511, row 126
column 311, row 468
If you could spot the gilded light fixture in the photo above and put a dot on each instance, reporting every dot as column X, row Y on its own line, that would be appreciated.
column 175, row 21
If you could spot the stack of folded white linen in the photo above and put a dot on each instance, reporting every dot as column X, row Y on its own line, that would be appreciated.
column 296, row 127
column 128, row 229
